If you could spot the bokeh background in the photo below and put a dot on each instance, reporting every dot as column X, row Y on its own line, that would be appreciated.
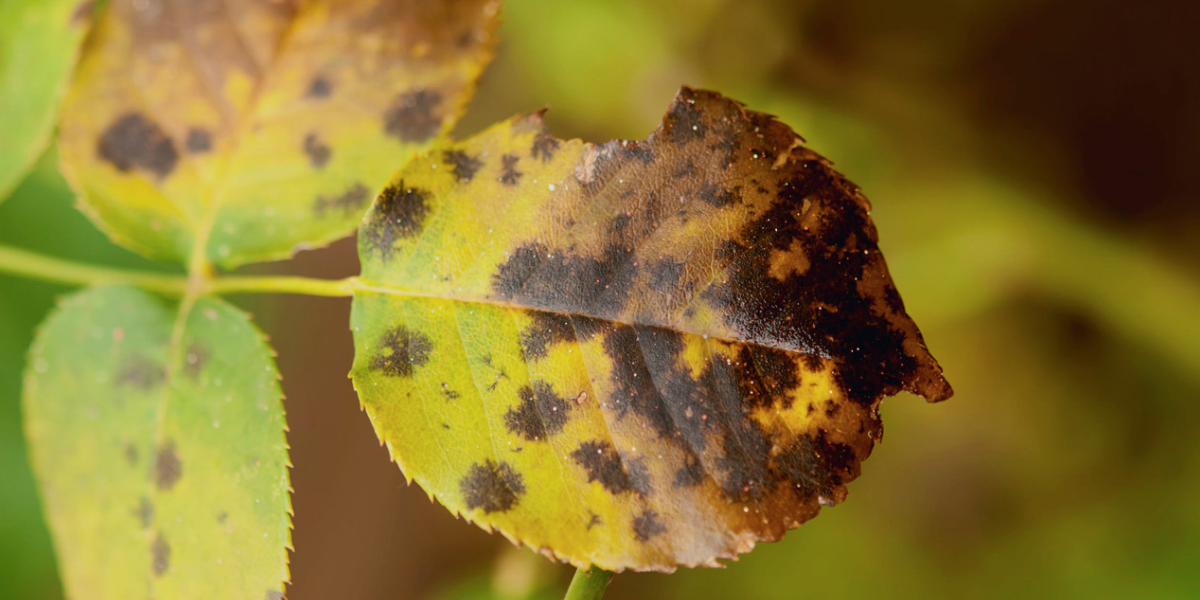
column 1035, row 171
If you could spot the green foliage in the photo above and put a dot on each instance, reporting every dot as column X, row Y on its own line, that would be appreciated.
column 39, row 41
column 159, row 443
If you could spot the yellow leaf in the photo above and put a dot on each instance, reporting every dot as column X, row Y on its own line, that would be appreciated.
column 635, row 354
column 240, row 131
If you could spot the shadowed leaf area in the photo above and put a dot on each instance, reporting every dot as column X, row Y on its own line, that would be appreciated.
column 639, row 354
column 253, row 128
column 161, row 461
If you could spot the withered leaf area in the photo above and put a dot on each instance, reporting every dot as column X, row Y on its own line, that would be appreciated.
column 637, row 354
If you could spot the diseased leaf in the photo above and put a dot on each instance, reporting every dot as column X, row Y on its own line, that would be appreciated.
column 159, row 447
column 256, row 127
column 636, row 354
column 39, row 42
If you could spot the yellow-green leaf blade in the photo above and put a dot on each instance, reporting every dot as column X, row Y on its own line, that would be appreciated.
column 636, row 354
column 39, row 42
column 163, row 465
column 254, row 128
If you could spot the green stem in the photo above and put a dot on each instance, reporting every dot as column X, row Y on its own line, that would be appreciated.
column 57, row 270
column 243, row 284
column 588, row 585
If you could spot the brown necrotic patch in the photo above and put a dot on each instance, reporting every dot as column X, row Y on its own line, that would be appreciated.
column 317, row 151
column 160, row 556
column 544, row 146
column 719, row 197
column 546, row 330
column 133, row 141
column 463, row 165
column 319, row 88
column 167, row 467
column 567, row 282
column 647, row 525
column 413, row 116
column 492, row 486
column 509, row 174
column 401, row 349
column 349, row 202
column 816, row 467
column 604, row 464
column 399, row 213
column 140, row 373
column 540, row 414
column 198, row 141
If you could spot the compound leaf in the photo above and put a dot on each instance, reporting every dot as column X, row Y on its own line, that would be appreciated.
column 635, row 354
column 39, row 42
column 253, row 128
column 159, row 448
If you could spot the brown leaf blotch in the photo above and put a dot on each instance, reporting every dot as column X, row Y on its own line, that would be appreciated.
column 318, row 152
column 319, row 88
column 160, row 556
column 401, row 349
column 140, row 373
column 413, row 116
column 544, row 146
column 510, row 176
column 604, row 464
column 167, row 467
column 399, row 213
column 133, row 141
column 540, row 414
column 492, row 486
column 647, row 525
column 546, row 330
column 463, row 165
column 198, row 141
column 349, row 202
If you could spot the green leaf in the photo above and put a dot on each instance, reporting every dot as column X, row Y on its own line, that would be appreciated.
column 241, row 131
column 39, row 42
column 159, row 447
column 638, row 354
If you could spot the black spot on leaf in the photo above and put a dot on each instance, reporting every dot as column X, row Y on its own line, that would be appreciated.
column 160, row 556
column 510, row 175
column 512, row 274
column 399, row 213
column 815, row 466
column 348, row 202
column 198, row 140
column 318, row 152
column 544, row 146
column 665, row 275
column 413, row 116
column 684, row 123
column 540, row 414
column 546, row 330
column 462, row 164
column 319, row 88
column 401, row 349
column 565, row 282
column 690, row 474
column 647, row 525
column 132, row 141
column 140, row 373
column 604, row 464
column 167, row 467
column 494, row 487
column 718, row 196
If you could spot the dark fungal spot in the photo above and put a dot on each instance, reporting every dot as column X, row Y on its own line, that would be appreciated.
column 319, row 88
column 829, row 316
column 463, row 165
column 401, row 349
column 816, row 467
column 604, row 464
column 719, row 197
column 194, row 360
column 131, row 453
column 494, row 487
column 647, row 525
column 690, row 474
column 134, row 141
column 318, row 152
column 566, row 282
column 348, row 202
column 413, row 117
column 198, row 140
column 665, row 275
column 812, row 362
column 160, row 556
column 594, row 520
column 546, row 330
column 687, row 170
column 540, row 414
column 512, row 274
column 399, row 213
column 728, row 146
column 144, row 512
column 684, row 123
column 510, row 175
column 449, row 394
column 140, row 373
column 544, row 146
column 167, row 467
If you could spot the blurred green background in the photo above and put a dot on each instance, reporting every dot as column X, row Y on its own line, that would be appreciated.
column 1034, row 170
